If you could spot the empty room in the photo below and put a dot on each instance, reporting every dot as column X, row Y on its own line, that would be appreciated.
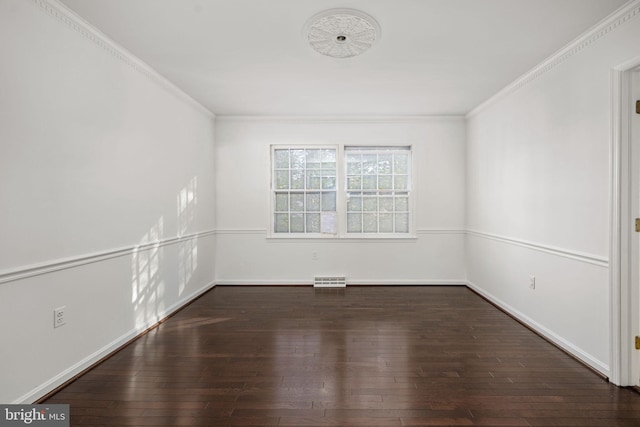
column 320, row 213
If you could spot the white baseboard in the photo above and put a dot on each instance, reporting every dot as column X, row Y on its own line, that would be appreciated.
column 350, row 282
column 565, row 345
column 67, row 374
column 252, row 282
column 377, row 282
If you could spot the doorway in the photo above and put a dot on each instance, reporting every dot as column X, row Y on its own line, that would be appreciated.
column 634, row 137
column 624, row 259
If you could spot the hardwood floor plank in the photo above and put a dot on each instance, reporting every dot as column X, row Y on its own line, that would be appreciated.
column 363, row 356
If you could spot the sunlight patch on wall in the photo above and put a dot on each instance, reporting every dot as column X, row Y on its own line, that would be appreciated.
column 147, row 289
column 188, row 250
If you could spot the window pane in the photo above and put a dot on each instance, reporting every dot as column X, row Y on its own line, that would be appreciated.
column 329, row 201
column 313, row 179
column 370, row 222
column 313, row 223
column 281, row 159
column 282, row 223
column 400, row 182
column 354, row 204
column 328, row 182
column 298, row 158
column 313, row 202
column 354, row 183
column 385, row 182
column 402, row 223
column 329, row 168
column 384, row 163
column 369, row 164
column 402, row 204
column 314, row 159
column 329, row 222
column 297, row 179
column 400, row 163
column 354, row 223
column 297, row 223
column 354, row 168
column 329, row 155
column 282, row 180
column 385, row 204
column 282, row 202
column 353, row 157
column 386, row 223
column 370, row 204
column 369, row 182
column 297, row 202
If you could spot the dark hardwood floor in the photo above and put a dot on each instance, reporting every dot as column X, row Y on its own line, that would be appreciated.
column 360, row 356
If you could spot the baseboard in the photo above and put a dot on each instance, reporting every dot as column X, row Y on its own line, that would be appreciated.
column 251, row 282
column 374, row 282
column 88, row 362
column 350, row 282
column 566, row 346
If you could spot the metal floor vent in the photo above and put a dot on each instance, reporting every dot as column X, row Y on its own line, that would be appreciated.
column 330, row 282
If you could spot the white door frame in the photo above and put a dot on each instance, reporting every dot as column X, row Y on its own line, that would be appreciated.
column 624, row 263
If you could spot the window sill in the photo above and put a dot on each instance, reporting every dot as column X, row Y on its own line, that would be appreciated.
column 345, row 238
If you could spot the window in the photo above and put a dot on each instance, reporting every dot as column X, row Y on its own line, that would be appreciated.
column 377, row 189
column 305, row 190
column 350, row 191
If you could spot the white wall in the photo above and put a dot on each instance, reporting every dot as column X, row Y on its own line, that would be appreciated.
column 103, row 166
column 538, row 186
column 245, row 255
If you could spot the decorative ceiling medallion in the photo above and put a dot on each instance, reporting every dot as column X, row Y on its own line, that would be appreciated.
column 342, row 33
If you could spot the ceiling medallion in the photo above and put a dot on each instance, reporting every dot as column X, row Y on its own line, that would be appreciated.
column 341, row 33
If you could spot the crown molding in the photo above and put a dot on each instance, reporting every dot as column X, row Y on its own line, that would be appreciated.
column 408, row 119
column 75, row 22
column 601, row 29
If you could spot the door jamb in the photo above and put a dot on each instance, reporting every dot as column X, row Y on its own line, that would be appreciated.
column 624, row 263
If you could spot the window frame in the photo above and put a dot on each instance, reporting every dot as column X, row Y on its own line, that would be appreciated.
column 273, row 191
column 409, row 190
column 342, row 195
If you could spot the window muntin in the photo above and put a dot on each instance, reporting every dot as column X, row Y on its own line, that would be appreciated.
column 305, row 190
column 378, row 185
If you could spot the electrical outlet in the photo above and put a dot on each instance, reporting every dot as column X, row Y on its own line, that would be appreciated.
column 532, row 282
column 314, row 256
column 59, row 317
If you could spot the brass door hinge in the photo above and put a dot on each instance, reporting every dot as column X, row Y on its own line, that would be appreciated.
column 638, row 225
column 637, row 343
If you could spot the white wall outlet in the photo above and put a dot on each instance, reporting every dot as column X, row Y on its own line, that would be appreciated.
column 532, row 282
column 314, row 255
column 59, row 317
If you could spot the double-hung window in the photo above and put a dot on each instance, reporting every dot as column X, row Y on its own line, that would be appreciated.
column 341, row 191
column 304, row 186
column 377, row 187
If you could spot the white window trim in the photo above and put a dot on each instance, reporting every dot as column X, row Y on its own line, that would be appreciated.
column 341, row 198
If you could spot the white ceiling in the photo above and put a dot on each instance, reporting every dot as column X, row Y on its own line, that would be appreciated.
column 435, row 57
